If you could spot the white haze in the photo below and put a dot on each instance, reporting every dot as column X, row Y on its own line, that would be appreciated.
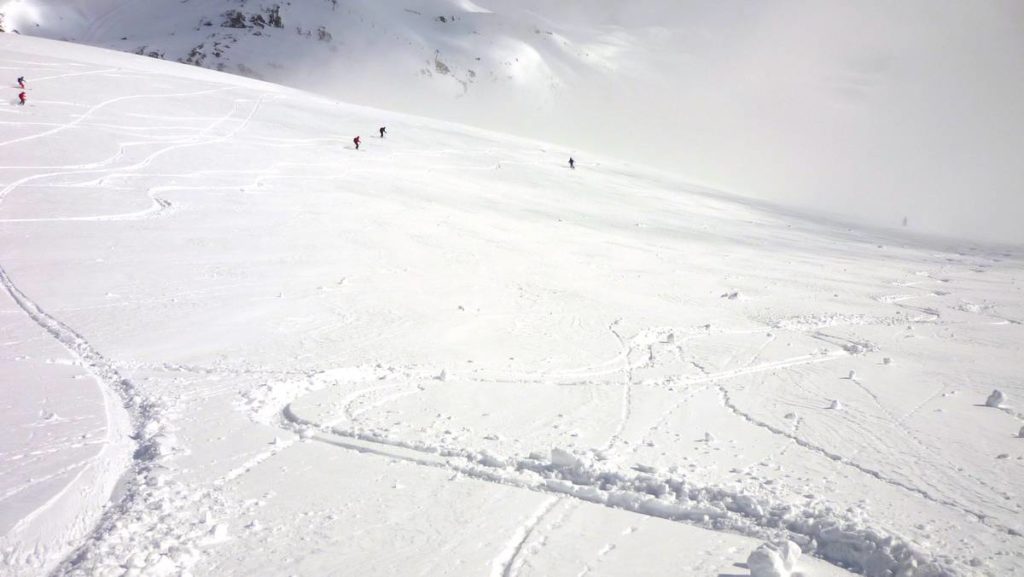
column 870, row 111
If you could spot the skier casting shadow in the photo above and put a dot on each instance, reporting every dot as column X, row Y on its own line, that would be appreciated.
column 356, row 142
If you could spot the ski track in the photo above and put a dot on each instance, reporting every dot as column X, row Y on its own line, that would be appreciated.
column 729, row 404
column 88, row 168
column 510, row 559
column 505, row 564
column 477, row 466
column 124, row 409
column 254, row 461
column 117, row 392
column 96, row 108
column 464, row 462
column 627, row 390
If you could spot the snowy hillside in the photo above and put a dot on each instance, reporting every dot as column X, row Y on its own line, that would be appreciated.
column 871, row 110
column 233, row 345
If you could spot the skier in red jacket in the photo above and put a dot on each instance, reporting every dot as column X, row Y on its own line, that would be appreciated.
column 22, row 98
column 356, row 142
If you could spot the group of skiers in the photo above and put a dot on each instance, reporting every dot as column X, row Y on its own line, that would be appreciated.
column 21, row 85
column 383, row 130
column 23, row 97
column 356, row 141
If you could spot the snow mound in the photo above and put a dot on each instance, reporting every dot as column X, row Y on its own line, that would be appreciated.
column 996, row 400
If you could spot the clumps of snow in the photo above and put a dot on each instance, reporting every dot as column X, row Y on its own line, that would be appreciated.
column 265, row 403
column 563, row 458
column 859, row 348
column 969, row 307
column 774, row 560
column 852, row 375
column 490, row 459
column 766, row 562
column 835, row 405
column 709, row 438
column 158, row 530
column 1020, row 434
column 996, row 400
column 886, row 360
column 824, row 532
column 219, row 533
column 810, row 322
column 731, row 295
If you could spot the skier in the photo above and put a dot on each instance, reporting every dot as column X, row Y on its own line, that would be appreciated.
column 356, row 142
column 383, row 129
column 21, row 82
column 572, row 163
column 21, row 98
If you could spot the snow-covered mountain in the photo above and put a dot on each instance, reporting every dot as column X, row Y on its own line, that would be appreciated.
column 233, row 345
column 869, row 111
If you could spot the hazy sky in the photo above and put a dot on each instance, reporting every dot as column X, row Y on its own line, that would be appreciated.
column 872, row 110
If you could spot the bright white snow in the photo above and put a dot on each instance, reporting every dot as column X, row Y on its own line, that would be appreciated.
column 447, row 353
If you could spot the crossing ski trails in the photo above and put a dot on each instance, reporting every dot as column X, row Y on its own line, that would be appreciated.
column 257, row 352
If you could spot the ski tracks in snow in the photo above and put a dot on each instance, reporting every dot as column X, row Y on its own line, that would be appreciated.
column 511, row 558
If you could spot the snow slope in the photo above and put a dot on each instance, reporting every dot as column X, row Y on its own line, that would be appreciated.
column 870, row 110
column 447, row 353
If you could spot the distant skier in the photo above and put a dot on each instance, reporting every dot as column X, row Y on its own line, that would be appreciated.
column 572, row 163
column 21, row 82
column 383, row 129
column 356, row 142
column 22, row 98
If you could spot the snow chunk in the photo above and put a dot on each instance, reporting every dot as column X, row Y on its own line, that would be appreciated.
column 790, row 553
column 836, row 405
column 563, row 458
column 996, row 399
column 765, row 561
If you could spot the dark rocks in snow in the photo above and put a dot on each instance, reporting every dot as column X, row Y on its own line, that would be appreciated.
column 233, row 19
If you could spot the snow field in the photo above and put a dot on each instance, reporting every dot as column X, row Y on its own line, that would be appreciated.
column 448, row 353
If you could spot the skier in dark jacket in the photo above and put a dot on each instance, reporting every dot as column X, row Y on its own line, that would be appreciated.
column 356, row 142
column 21, row 82
column 572, row 163
column 383, row 129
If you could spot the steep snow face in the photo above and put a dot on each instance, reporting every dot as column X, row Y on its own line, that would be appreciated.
column 868, row 110
column 448, row 352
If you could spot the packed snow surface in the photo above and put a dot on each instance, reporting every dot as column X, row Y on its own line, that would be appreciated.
column 231, row 344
